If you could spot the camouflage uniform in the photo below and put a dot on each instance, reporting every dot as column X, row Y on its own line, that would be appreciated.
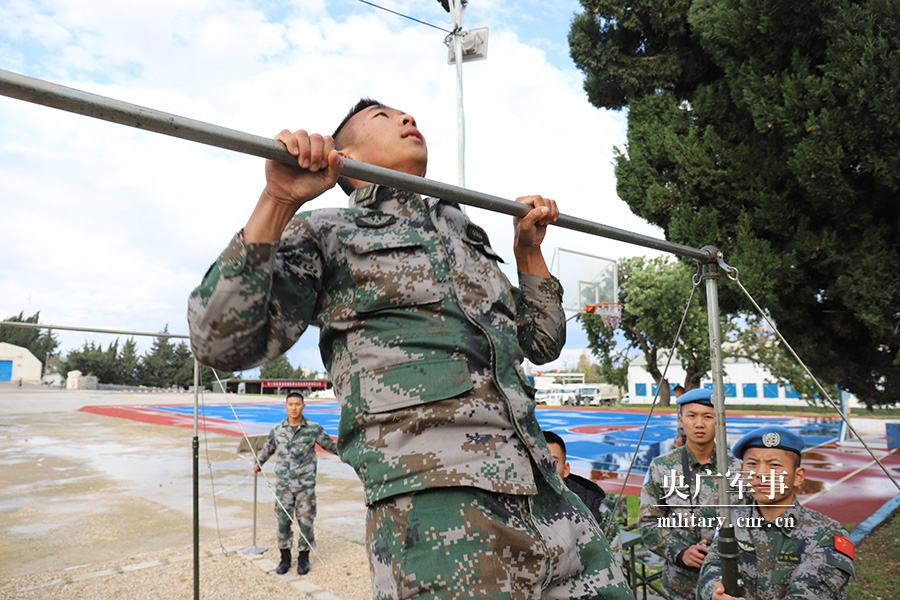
column 422, row 333
column 679, row 581
column 601, row 505
column 295, row 476
column 777, row 561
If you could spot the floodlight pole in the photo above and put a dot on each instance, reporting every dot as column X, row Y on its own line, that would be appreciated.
column 458, row 9
column 726, row 544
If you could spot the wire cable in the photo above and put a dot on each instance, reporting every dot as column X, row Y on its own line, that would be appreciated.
column 696, row 282
column 733, row 274
column 212, row 481
column 405, row 16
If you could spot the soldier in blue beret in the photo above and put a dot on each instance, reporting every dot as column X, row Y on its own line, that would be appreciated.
column 785, row 550
column 678, row 515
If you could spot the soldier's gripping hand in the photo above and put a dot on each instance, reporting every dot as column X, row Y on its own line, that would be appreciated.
column 288, row 187
column 719, row 593
column 530, row 231
column 531, row 228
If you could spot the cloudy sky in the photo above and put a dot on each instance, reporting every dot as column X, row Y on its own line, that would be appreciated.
column 111, row 227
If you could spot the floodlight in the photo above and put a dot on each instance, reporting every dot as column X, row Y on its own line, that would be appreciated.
column 474, row 45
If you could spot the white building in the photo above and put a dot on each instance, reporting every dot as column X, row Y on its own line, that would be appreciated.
column 18, row 364
column 745, row 383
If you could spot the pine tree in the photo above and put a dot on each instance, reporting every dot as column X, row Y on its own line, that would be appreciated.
column 770, row 129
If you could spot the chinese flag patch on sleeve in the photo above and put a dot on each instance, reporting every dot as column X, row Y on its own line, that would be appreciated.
column 843, row 545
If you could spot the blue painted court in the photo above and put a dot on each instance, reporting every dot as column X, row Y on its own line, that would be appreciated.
column 842, row 481
column 596, row 440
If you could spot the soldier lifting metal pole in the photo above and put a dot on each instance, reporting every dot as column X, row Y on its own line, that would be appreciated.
column 726, row 543
column 49, row 94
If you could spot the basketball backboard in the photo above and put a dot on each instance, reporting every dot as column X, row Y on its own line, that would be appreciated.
column 586, row 279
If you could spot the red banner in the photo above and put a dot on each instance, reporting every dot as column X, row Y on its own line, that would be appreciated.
column 294, row 383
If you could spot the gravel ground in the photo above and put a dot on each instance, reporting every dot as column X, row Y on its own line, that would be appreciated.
column 224, row 574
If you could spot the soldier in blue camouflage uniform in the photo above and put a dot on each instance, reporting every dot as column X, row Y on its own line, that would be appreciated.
column 294, row 442
column 677, row 517
column 594, row 497
column 785, row 550
column 424, row 338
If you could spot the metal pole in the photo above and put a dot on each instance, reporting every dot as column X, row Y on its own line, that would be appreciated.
column 91, row 330
column 458, row 10
column 49, row 94
column 195, row 445
column 255, row 487
column 727, row 542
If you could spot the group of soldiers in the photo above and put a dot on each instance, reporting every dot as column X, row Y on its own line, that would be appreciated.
column 785, row 550
column 424, row 337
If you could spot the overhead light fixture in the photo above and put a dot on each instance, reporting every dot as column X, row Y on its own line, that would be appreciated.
column 474, row 45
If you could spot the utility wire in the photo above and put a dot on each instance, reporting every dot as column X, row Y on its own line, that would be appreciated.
column 405, row 16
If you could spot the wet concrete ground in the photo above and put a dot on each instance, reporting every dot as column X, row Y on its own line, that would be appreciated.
column 78, row 488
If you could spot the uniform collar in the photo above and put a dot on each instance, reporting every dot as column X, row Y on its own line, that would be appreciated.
column 372, row 195
column 693, row 459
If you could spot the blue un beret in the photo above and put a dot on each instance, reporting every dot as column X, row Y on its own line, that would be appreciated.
column 769, row 437
column 701, row 396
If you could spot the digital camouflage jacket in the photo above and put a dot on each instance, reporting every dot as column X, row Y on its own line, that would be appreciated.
column 671, row 510
column 422, row 334
column 295, row 449
column 802, row 555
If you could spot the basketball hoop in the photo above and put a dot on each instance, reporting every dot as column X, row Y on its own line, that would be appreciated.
column 610, row 312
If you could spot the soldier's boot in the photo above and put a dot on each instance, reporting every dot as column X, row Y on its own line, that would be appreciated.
column 303, row 562
column 285, row 564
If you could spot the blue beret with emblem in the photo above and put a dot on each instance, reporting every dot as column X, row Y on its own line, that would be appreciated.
column 699, row 395
column 769, row 437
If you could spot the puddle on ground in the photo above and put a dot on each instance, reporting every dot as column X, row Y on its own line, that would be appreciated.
column 78, row 488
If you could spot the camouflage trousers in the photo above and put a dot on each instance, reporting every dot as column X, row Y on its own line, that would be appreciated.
column 300, row 503
column 451, row 543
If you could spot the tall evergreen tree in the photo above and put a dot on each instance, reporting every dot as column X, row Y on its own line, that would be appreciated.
column 39, row 342
column 157, row 368
column 770, row 129
column 128, row 363
column 280, row 368
column 91, row 359
column 183, row 366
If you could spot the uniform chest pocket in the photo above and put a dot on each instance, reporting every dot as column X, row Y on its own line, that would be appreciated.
column 390, row 268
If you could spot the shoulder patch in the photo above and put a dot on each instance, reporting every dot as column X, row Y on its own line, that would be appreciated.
column 375, row 220
column 843, row 545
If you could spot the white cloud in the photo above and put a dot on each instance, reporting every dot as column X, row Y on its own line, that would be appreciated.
column 111, row 227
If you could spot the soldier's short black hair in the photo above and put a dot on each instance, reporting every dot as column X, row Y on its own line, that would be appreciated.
column 293, row 395
column 342, row 140
column 553, row 438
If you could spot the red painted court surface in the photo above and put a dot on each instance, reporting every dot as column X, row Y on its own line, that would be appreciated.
column 843, row 481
